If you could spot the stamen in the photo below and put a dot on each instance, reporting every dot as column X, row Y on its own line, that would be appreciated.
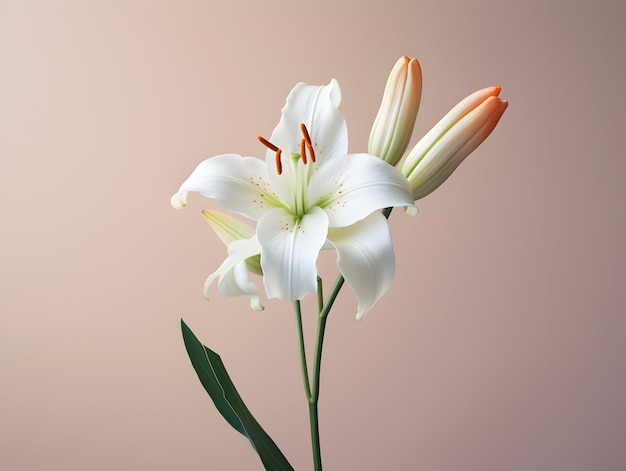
column 270, row 146
column 307, row 140
column 303, row 151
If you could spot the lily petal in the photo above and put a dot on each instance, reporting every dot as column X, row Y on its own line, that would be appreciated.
column 289, row 250
column 365, row 259
column 238, row 252
column 235, row 282
column 316, row 107
column 350, row 188
column 241, row 184
column 227, row 227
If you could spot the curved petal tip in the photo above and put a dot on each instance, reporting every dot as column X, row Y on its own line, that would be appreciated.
column 179, row 200
column 335, row 93
column 411, row 211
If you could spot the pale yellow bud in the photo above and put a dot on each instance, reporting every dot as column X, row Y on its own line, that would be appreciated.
column 394, row 123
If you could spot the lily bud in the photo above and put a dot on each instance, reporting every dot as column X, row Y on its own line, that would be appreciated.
column 395, row 120
column 445, row 146
column 229, row 229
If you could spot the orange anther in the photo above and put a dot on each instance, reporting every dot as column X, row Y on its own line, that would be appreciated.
column 270, row 146
column 279, row 164
column 303, row 151
column 307, row 140
column 267, row 143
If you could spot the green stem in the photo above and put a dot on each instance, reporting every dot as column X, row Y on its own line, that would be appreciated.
column 320, row 295
column 303, row 364
column 319, row 341
column 315, row 393
column 315, row 435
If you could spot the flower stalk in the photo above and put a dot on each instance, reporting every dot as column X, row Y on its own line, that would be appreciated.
column 312, row 388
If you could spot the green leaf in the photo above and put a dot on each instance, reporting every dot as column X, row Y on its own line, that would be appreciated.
column 215, row 379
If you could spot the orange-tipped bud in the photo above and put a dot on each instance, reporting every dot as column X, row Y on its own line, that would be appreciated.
column 394, row 123
column 445, row 146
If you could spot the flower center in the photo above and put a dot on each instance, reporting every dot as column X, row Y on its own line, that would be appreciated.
column 298, row 174
column 305, row 145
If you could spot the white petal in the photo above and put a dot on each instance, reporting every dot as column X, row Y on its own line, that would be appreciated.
column 235, row 282
column 351, row 187
column 365, row 259
column 289, row 250
column 240, row 183
column 238, row 252
column 316, row 107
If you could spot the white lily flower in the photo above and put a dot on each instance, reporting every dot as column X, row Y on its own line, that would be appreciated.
column 451, row 140
column 308, row 191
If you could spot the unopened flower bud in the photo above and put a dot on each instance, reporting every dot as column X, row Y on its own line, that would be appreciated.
column 394, row 123
column 443, row 148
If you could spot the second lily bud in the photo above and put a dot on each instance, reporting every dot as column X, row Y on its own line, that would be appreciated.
column 394, row 123
column 445, row 146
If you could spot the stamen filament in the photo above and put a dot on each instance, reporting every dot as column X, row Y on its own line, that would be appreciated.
column 307, row 140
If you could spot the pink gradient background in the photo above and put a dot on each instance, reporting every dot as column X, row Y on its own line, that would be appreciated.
column 501, row 343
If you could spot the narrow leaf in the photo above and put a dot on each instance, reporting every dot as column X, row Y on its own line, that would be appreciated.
column 217, row 383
